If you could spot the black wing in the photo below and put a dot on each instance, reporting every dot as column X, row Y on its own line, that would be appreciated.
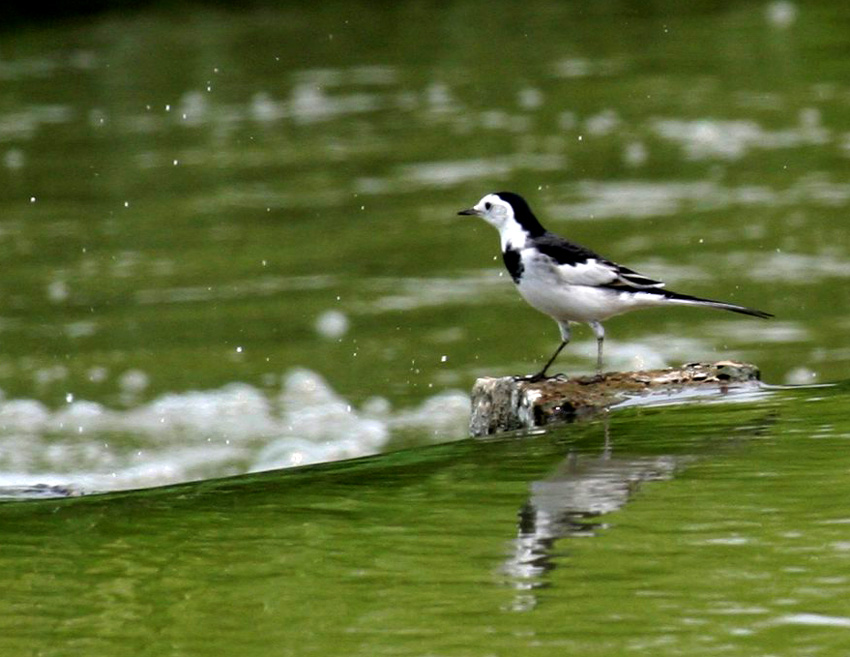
column 579, row 265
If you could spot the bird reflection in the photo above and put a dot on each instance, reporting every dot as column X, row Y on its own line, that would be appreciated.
column 569, row 504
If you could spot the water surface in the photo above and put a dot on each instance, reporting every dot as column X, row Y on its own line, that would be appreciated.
column 230, row 249
column 195, row 213
column 710, row 528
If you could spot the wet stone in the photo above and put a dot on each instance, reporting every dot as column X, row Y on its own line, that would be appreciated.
column 511, row 403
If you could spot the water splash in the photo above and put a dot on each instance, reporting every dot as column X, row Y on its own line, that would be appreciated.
column 238, row 428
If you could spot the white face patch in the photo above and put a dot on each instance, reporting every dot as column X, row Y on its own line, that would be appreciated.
column 499, row 214
column 494, row 210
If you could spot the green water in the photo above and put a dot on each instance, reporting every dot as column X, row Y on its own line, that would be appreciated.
column 735, row 539
column 230, row 244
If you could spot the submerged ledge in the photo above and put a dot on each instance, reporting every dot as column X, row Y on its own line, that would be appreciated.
column 508, row 403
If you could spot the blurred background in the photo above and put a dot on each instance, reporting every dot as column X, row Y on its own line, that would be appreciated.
column 229, row 234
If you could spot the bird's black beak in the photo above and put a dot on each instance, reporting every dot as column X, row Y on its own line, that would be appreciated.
column 470, row 211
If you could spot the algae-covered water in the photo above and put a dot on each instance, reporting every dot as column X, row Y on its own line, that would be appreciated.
column 230, row 248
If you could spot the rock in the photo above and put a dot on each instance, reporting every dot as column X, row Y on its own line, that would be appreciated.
column 509, row 403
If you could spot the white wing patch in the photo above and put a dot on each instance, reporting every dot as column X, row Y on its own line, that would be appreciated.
column 593, row 273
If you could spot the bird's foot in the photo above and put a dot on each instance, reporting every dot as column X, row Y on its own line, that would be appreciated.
column 540, row 376
column 599, row 377
column 532, row 378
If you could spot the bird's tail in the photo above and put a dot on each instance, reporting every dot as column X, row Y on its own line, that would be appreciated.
column 711, row 303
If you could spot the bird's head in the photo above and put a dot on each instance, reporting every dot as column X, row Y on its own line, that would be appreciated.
column 506, row 211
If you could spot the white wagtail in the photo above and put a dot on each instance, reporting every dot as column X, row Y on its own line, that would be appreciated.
column 569, row 282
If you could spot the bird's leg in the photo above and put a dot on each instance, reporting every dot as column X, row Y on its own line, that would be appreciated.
column 542, row 373
column 565, row 338
column 599, row 332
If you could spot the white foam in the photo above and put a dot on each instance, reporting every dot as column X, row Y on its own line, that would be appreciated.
column 732, row 139
column 332, row 324
column 576, row 67
column 23, row 415
column 530, row 98
column 781, row 13
column 14, row 159
column 194, row 435
column 450, row 173
column 639, row 199
column 791, row 267
column 603, row 123
column 443, row 416
column 310, row 104
column 801, row 375
column 410, row 293
column 814, row 620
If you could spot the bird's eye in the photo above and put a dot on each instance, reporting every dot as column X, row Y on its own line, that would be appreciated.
column 488, row 205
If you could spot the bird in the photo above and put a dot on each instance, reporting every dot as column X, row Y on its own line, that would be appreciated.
column 571, row 283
